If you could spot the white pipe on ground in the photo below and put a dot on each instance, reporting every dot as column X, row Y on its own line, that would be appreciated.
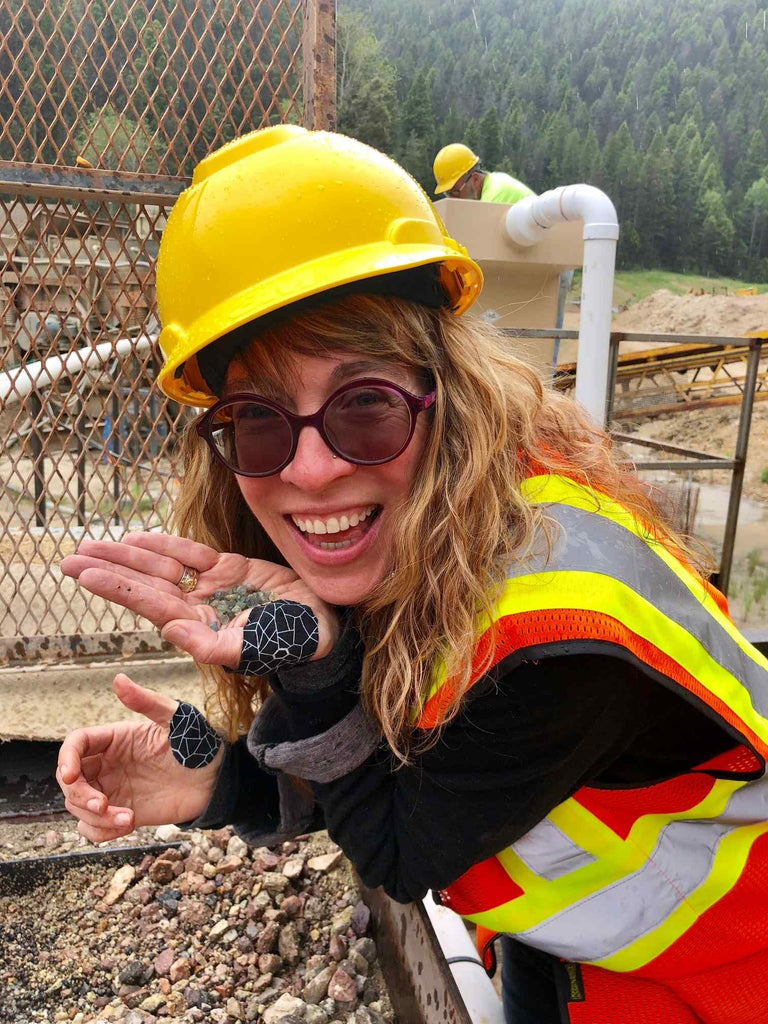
column 527, row 222
column 477, row 991
column 17, row 384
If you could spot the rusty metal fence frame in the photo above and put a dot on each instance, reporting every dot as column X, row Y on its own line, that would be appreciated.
column 79, row 418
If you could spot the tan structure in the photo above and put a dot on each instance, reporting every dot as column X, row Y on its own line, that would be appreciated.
column 521, row 284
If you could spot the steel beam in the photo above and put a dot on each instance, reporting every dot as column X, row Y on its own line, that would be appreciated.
column 82, row 183
column 22, row 650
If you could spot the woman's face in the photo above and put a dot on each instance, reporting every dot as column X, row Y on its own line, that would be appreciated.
column 331, row 520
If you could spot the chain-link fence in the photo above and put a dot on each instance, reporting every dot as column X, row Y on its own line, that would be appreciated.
column 106, row 107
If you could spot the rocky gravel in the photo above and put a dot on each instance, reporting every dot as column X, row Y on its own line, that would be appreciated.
column 206, row 930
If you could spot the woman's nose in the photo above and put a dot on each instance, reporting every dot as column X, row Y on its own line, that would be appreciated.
column 314, row 466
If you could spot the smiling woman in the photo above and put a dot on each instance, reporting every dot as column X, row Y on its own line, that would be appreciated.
column 484, row 662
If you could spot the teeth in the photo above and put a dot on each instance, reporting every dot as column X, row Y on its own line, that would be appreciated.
column 333, row 524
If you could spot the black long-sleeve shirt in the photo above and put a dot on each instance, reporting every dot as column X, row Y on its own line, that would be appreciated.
column 523, row 742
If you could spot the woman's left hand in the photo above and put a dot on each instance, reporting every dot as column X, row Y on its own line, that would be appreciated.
column 142, row 573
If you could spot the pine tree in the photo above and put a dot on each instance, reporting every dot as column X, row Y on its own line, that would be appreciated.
column 717, row 232
column 656, row 203
column 490, row 139
column 366, row 96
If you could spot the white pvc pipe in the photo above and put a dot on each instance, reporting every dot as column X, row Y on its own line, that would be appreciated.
column 528, row 222
column 17, row 384
column 477, row 991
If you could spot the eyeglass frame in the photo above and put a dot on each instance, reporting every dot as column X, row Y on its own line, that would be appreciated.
column 415, row 403
column 461, row 183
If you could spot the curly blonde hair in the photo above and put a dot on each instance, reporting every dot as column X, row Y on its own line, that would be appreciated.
column 464, row 519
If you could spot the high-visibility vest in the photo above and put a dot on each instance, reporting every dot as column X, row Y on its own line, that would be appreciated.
column 499, row 187
column 664, row 884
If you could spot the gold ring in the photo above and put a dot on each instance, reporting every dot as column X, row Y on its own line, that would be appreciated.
column 188, row 579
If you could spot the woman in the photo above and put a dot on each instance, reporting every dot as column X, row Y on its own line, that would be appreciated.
column 484, row 657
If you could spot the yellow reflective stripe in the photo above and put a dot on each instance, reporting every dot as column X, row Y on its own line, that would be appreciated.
column 542, row 898
column 616, row 859
column 564, row 491
column 585, row 591
column 730, row 858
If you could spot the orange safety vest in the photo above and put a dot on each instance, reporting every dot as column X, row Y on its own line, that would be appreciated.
column 655, row 898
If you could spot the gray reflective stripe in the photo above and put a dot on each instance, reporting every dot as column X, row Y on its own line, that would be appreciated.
column 588, row 542
column 608, row 920
column 549, row 853
column 612, row 918
column 748, row 805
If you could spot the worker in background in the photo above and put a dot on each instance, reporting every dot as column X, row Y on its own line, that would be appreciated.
column 459, row 174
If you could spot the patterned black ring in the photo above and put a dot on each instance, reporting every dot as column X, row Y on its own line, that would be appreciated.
column 193, row 742
column 276, row 635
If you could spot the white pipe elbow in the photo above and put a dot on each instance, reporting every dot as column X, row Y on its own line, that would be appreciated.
column 529, row 220
column 592, row 206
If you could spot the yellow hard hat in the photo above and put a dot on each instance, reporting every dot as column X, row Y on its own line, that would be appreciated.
column 277, row 216
column 450, row 163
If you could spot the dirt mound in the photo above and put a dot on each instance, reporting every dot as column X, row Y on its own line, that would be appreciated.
column 663, row 312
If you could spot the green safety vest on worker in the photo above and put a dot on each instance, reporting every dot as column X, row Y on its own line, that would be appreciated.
column 499, row 187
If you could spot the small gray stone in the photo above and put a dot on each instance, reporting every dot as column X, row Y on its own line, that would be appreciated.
column 285, row 1005
column 152, row 1003
column 167, row 833
column 361, row 915
column 314, row 909
column 288, row 944
column 135, row 973
column 317, row 988
column 269, row 963
column 234, row 1009
column 358, row 961
column 267, row 940
column 274, row 882
column 236, row 847
column 218, row 930
column 326, row 862
column 314, row 1015
column 340, row 922
column 367, row 947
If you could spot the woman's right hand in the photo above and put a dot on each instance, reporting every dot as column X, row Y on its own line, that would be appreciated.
column 142, row 572
column 119, row 776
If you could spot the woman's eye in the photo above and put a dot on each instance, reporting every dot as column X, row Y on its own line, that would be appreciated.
column 364, row 399
column 254, row 412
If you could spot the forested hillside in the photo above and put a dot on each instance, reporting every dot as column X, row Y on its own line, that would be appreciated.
column 663, row 104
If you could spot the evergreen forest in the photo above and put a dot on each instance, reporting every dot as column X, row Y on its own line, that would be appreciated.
column 663, row 104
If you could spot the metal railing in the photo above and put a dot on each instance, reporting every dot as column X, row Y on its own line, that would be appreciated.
column 106, row 106
column 688, row 460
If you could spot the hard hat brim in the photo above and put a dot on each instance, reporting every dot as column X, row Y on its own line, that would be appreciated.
column 462, row 279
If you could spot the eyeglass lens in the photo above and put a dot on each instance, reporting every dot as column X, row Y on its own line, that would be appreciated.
column 369, row 424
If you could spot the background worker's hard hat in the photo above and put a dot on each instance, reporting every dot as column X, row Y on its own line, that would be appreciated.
column 277, row 216
column 451, row 163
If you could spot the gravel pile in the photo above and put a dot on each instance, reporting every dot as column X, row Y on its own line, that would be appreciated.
column 208, row 931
